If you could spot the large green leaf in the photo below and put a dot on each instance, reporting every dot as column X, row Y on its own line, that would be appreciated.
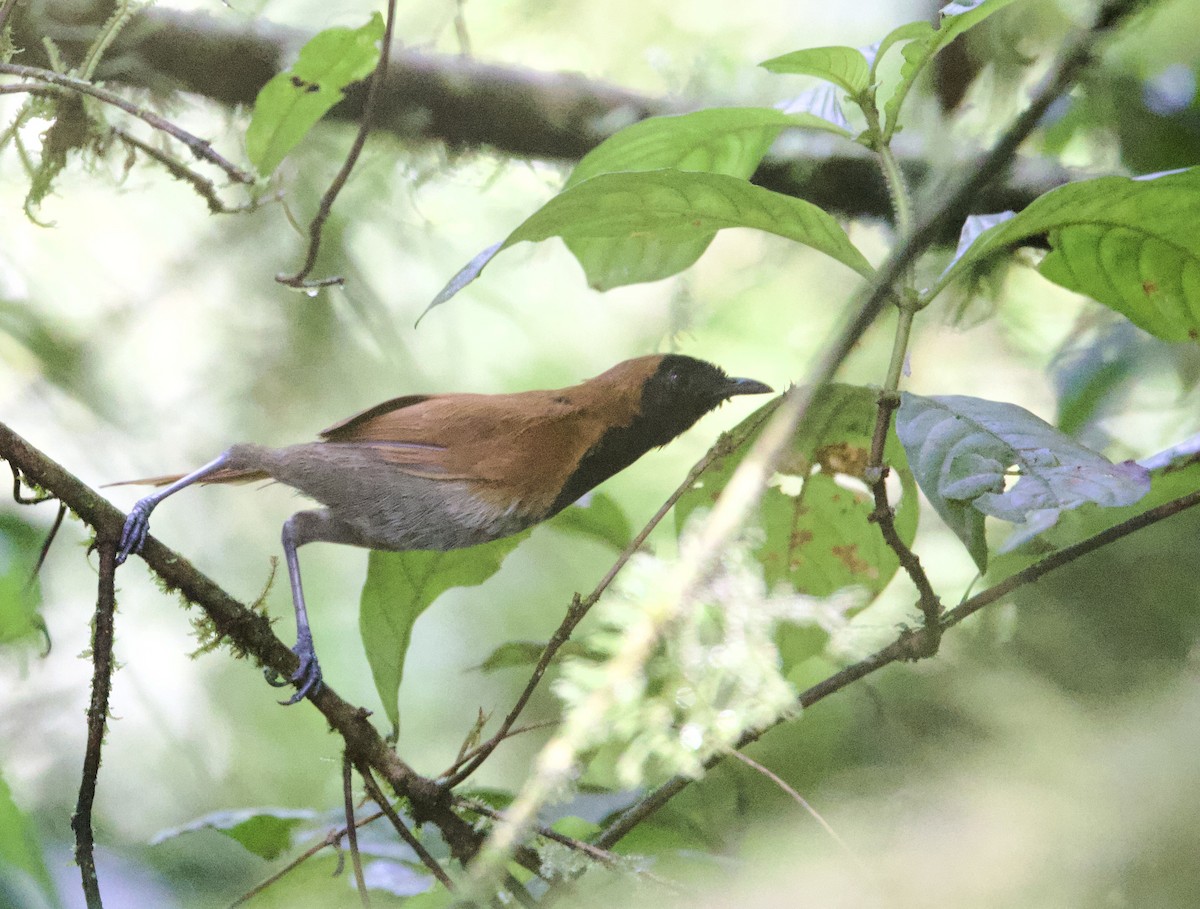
column 843, row 66
column 961, row 449
column 720, row 140
column 923, row 46
column 1131, row 244
column 291, row 103
column 677, row 211
column 402, row 585
column 818, row 537
column 24, row 877
column 815, row 513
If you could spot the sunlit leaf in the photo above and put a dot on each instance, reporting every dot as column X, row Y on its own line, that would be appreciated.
column 924, row 46
column 293, row 101
column 20, row 597
column 402, row 585
column 1129, row 244
column 843, row 66
column 717, row 140
column 23, row 867
column 815, row 511
column 266, row 832
column 678, row 211
column 961, row 450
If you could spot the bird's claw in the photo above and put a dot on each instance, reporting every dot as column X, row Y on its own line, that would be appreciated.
column 307, row 676
column 133, row 534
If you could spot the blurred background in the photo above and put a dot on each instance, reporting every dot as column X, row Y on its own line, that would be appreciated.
column 1048, row 756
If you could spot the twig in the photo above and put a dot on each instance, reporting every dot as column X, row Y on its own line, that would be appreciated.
column 478, row 749
column 799, row 800
column 352, row 829
column 198, row 147
column 885, row 516
column 902, row 649
column 317, row 225
column 97, row 717
column 418, row 847
column 18, row 496
column 249, row 632
column 745, row 486
column 204, row 187
column 579, row 608
column 332, row 838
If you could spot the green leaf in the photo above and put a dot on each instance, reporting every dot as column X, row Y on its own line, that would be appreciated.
column 956, row 19
column 597, row 516
column 815, row 511
column 722, row 140
column 402, row 585
column 843, row 66
column 1130, row 244
column 19, row 599
column 910, row 31
column 291, row 103
column 719, row 140
column 679, row 211
column 961, row 449
column 23, row 872
column 266, row 832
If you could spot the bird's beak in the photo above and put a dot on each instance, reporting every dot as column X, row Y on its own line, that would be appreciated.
column 735, row 386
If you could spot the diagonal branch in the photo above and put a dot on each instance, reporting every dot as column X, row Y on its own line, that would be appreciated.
column 249, row 632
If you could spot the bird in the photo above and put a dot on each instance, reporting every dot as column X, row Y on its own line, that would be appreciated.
column 446, row 471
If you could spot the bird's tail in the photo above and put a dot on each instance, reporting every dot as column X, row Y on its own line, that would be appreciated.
column 229, row 475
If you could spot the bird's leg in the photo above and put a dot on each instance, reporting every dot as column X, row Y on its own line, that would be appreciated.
column 307, row 676
column 137, row 524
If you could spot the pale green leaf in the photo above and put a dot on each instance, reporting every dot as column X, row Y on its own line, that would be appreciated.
column 962, row 449
column 680, row 211
column 402, row 585
column 292, row 102
column 845, row 67
column 815, row 510
column 1130, row 244
column 956, row 19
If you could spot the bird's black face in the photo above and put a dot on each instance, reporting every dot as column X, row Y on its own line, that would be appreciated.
column 684, row 389
column 679, row 393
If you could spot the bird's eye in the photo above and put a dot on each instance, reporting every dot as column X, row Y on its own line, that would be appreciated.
column 673, row 376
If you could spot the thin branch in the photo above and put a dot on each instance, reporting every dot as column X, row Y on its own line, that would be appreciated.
column 579, row 608
column 198, row 147
column 885, row 516
column 97, row 718
column 205, row 188
column 317, row 225
column 46, row 544
column 745, row 486
column 332, row 839
column 799, row 800
column 907, row 647
column 249, row 632
column 478, row 749
column 352, row 829
column 417, row 846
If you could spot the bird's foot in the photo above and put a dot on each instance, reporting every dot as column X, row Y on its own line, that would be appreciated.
column 133, row 534
column 306, row 678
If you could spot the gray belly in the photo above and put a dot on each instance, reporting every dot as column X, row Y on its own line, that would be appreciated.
column 382, row 507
